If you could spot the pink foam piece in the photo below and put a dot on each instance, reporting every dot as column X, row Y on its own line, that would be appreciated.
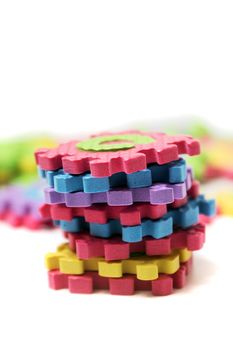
column 87, row 246
column 163, row 286
column 73, row 160
column 57, row 280
column 122, row 286
column 80, row 284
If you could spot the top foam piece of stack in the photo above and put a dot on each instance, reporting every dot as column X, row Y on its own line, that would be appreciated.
column 108, row 154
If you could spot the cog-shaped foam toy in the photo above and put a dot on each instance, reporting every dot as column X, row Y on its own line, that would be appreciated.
column 111, row 153
column 126, row 285
column 87, row 246
column 173, row 172
column 156, row 194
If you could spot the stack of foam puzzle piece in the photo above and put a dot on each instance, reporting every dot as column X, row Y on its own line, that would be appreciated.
column 130, row 209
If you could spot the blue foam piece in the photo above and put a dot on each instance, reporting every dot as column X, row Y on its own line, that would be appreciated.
column 184, row 217
column 173, row 172
column 51, row 175
column 41, row 173
column 156, row 229
column 140, row 179
column 75, row 225
column 66, row 183
column 90, row 183
column 206, row 206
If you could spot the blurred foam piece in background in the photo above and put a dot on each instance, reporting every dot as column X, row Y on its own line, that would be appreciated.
column 21, row 192
column 17, row 162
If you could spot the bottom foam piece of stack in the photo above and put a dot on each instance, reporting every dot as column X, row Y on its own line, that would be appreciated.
column 126, row 285
column 159, row 274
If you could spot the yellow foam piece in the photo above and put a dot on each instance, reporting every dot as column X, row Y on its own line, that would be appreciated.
column 220, row 153
column 146, row 268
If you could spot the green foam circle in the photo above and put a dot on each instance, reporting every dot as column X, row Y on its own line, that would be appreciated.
column 101, row 143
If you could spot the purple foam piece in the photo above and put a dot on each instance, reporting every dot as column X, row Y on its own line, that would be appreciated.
column 51, row 196
column 155, row 194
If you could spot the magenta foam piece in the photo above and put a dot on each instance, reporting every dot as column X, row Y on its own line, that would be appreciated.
column 101, row 162
column 87, row 246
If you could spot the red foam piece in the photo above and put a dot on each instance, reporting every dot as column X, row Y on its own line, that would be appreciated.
column 205, row 220
column 164, row 149
column 101, row 213
column 57, row 280
column 87, row 246
column 213, row 172
column 179, row 203
column 82, row 284
column 194, row 191
column 126, row 285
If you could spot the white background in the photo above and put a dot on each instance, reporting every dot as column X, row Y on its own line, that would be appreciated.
column 93, row 65
column 79, row 66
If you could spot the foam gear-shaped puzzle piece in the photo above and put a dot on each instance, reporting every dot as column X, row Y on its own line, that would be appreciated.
column 112, row 249
column 144, row 267
column 155, row 228
column 100, row 162
column 17, row 160
column 19, row 206
column 174, row 172
column 101, row 213
column 183, row 217
column 155, row 194
column 126, row 285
